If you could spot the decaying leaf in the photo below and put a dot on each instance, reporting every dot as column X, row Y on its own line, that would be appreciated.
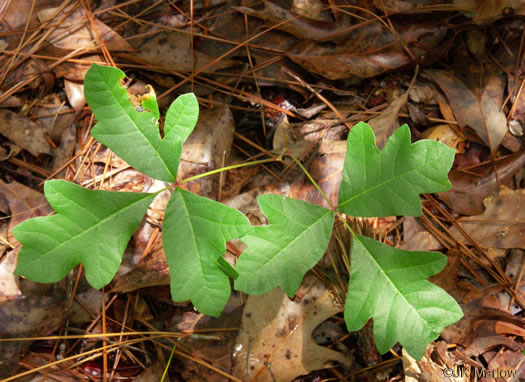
column 486, row 308
column 75, row 95
column 416, row 238
column 283, row 140
column 386, row 123
column 25, row 133
column 8, row 281
column 76, row 32
column 24, row 203
column 427, row 368
column 501, row 224
column 483, row 12
column 468, row 191
column 278, row 331
column 444, row 134
column 32, row 316
column 207, row 148
column 474, row 106
column 368, row 51
column 326, row 170
column 299, row 26
column 170, row 50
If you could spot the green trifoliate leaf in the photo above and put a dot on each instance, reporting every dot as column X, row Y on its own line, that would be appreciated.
column 91, row 227
column 281, row 253
column 390, row 285
column 194, row 234
column 388, row 182
column 132, row 131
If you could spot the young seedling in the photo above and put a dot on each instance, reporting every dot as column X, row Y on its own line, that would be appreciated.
column 93, row 227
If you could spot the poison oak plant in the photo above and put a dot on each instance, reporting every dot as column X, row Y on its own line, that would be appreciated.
column 93, row 227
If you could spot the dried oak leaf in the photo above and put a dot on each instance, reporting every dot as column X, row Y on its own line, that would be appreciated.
column 501, row 225
column 277, row 332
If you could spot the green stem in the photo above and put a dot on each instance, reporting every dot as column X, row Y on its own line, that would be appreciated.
column 228, row 168
column 339, row 215
column 168, row 364
column 312, row 180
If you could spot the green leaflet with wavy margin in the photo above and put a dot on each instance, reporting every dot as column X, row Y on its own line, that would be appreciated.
column 91, row 227
column 390, row 285
column 281, row 253
column 132, row 132
column 194, row 234
column 388, row 182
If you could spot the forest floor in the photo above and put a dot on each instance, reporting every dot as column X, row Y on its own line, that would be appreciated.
column 274, row 77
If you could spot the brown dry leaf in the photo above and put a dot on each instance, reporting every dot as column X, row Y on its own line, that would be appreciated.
column 487, row 335
column 300, row 27
column 311, row 9
column 64, row 151
column 214, row 341
column 368, row 51
column 154, row 372
column 507, row 360
column 75, row 95
column 170, row 50
column 206, row 149
column 486, row 308
column 484, row 12
column 8, row 281
column 326, row 170
column 444, row 134
column 468, row 191
column 423, row 92
column 11, row 101
column 278, row 331
column 386, row 123
column 150, row 271
column 448, row 277
column 32, row 316
column 55, row 115
column 4, row 226
column 25, row 133
column 417, row 238
column 236, row 179
column 515, row 260
column 396, row 6
column 475, row 107
column 72, row 71
column 76, row 32
column 15, row 13
column 24, row 203
column 502, row 224
column 283, row 140
column 426, row 369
